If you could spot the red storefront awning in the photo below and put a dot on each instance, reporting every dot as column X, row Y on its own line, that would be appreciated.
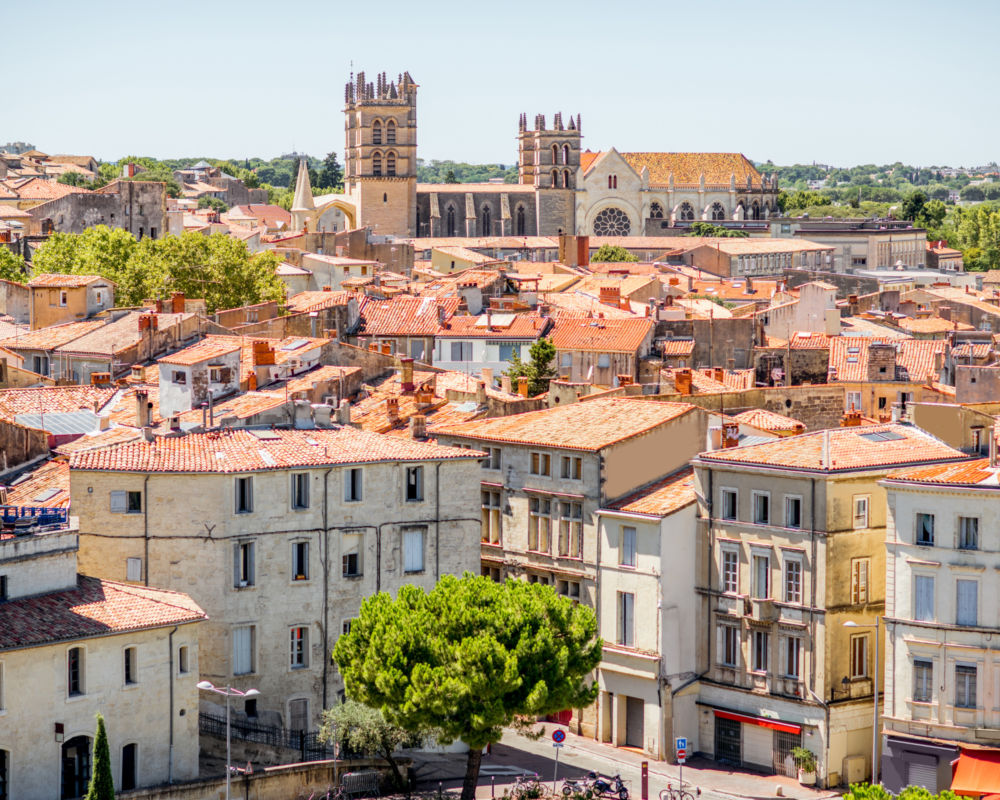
column 763, row 722
column 977, row 773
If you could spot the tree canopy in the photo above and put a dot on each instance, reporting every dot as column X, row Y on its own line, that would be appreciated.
column 471, row 657
column 102, row 782
column 719, row 231
column 331, row 176
column 539, row 370
column 612, row 253
column 11, row 266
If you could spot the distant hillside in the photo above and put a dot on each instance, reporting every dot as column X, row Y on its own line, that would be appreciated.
column 437, row 172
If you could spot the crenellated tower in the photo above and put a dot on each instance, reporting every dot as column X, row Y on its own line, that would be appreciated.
column 380, row 152
column 549, row 158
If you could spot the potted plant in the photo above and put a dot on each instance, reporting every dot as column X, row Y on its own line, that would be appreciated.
column 805, row 760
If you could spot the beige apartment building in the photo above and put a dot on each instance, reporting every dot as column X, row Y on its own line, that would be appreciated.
column 56, row 299
column 792, row 546
column 279, row 535
column 72, row 646
column 547, row 476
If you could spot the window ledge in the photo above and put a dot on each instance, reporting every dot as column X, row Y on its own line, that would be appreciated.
column 246, row 588
column 130, row 686
column 76, row 698
column 352, row 577
column 414, row 572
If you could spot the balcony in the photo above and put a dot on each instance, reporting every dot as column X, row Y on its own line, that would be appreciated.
column 857, row 687
column 732, row 604
column 793, row 687
column 759, row 682
column 764, row 610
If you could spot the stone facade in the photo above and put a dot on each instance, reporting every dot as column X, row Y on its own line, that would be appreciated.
column 136, row 206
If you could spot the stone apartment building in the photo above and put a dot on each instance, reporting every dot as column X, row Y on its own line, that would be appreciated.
column 941, row 623
column 792, row 546
column 72, row 646
column 279, row 534
column 547, row 475
column 56, row 299
column 135, row 206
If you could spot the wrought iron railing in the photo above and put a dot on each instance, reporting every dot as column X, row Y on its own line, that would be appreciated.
column 309, row 745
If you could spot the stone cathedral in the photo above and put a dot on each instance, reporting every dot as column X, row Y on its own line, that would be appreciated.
column 561, row 188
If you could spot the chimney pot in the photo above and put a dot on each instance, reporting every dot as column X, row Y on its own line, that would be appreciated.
column 522, row 386
column 418, row 426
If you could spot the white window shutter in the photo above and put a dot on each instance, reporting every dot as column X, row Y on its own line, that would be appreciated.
column 413, row 551
column 242, row 644
column 924, row 598
column 133, row 569
column 967, row 602
column 119, row 503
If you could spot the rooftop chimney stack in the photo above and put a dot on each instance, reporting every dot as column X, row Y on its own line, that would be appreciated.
column 522, row 386
column 418, row 426
column 406, row 376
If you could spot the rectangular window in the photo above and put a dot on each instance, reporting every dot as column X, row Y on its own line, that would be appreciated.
column 793, row 512
column 965, row 686
column 351, row 564
column 352, row 485
column 793, row 657
column 572, row 468
column 494, row 460
column 860, row 570
column 461, row 351
column 761, row 646
column 730, row 571
column 244, row 495
column 243, row 564
column 539, row 522
column 491, row 517
column 63, row 298
column 298, row 715
column 793, row 581
column 133, row 569
column 417, row 349
column 859, row 656
column 541, row 464
column 179, row 377
column 923, row 598
column 215, row 374
column 729, row 504
column 300, row 561
column 603, row 361
column 566, row 360
column 571, row 530
column 75, row 683
column 762, row 508
column 243, row 650
column 300, row 490
column 413, row 550
column 852, row 400
column 730, row 646
column 126, row 502
column 182, row 660
column 3, row 590
column 507, row 351
column 925, row 529
column 923, row 681
column 968, row 603
column 628, row 547
column 131, row 667
column 761, row 577
column 250, row 707
column 968, row 533
column 300, row 648
column 860, row 512
column 626, row 619
column 130, row 767
column 414, row 484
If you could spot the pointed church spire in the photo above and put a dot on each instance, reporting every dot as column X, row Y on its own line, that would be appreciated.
column 303, row 200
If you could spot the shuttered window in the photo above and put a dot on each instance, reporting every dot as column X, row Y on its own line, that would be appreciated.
column 300, row 490
column 243, row 564
column 730, row 645
column 793, row 657
column 968, row 602
column 133, row 569
column 923, row 598
column 761, row 645
column 626, row 619
column 413, row 550
column 628, row 546
column 965, row 686
column 243, row 650
column 859, row 656
column 730, row 571
column 761, row 577
column 119, row 502
column 298, row 713
column 923, row 681
column 461, row 351
column 860, row 569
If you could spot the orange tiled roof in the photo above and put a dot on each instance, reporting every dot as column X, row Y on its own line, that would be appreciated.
column 977, row 350
column 64, row 281
column 503, row 326
column 51, row 337
column 39, row 189
column 842, row 449
column 50, row 475
column 768, row 420
column 970, row 473
column 932, row 325
column 856, row 326
column 119, row 335
column 466, row 255
column 208, row 348
column 659, row 499
column 587, row 158
column 460, row 382
column 405, row 316
column 313, row 301
column 53, row 399
column 236, row 450
column 677, row 347
column 589, row 425
column 849, row 355
column 627, row 285
column 10, row 212
column 92, row 441
column 601, row 335
column 687, row 168
column 94, row 608
column 123, row 411
column 571, row 304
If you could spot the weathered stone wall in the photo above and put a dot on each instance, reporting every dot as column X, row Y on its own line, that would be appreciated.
column 19, row 444
column 15, row 301
column 715, row 341
column 517, row 196
column 846, row 284
column 806, row 366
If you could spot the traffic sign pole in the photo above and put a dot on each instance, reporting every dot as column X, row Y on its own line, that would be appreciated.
column 558, row 747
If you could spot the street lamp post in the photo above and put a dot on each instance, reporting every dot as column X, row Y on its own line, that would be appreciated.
column 229, row 691
column 851, row 624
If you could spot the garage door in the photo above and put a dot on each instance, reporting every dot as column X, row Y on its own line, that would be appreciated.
column 758, row 747
column 922, row 775
column 634, row 709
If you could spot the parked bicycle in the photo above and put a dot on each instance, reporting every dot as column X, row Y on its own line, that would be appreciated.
column 613, row 785
column 527, row 787
column 670, row 793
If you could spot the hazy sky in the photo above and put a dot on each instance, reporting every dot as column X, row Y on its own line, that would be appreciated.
column 841, row 82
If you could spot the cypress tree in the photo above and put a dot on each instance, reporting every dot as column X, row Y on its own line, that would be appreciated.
column 102, row 784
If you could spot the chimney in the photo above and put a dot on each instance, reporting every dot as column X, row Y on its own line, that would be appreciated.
column 392, row 408
column 730, row 434
column 851, row 419
column 141, row 408
column 749, row 289
column 159, row 306
column 175, row 423
column 690, row 283
column 522, row 386
column 505, row 383
column 344, row 412
column 993, row 450
column 488, row 377
column 406, row 375
column 418, row 426
column 443, row 317
column 327, row 288
column 944, row 312
column 719, row 374
column 263, row 354
column 682, row 381
column 481, row 393
column 177, row 302
column 716, row 438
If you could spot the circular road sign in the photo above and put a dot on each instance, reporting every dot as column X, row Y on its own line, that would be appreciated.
column 558, row 736
column 682, row 753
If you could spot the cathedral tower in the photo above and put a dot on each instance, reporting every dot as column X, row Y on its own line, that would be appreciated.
column 548, row 158
column 380, row 161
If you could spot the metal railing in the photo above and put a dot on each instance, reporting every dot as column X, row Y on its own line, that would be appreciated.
column 309, row 745
column 28, row 517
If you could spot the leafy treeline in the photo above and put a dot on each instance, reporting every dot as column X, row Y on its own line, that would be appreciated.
column 218, row 268
column 460, row 172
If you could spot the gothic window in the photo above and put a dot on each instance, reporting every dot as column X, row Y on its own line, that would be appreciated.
column 390, row 163
column 555, row 179
column 487, row 222
column 520, row 221
column 612, row 222
column 385, row 198
column 450, row 220
column 609, row 182
column 377, row 132
column 566, row 179
column 755, row 211
column 718, row 212
column 376, row 163
column 555, row 154
column 614, row 178
column 390, row 132
column 565, row 154
column 655, row 211
column 687, row 212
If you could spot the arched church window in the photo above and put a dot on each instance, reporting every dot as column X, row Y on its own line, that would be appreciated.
column 718, row 212
column 449, row 216
column 555, row 179
column 555, row 154
column 655, row 211
column 755, row 210
column 487, row 221
column 377, row 132
column 566, row 179
column 609, row 182
column 376, row 163
column 687, row 212
column 612, row 222
column 565, row 154
column 520, row 221
column 390, row 163
column 390, row 132
column 615, row 179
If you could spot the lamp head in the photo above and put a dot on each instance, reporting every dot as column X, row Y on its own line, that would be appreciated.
column 251, row 693
column 850, row 624
column 205, row 685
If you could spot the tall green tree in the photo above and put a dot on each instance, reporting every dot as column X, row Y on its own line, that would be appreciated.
column 717, row 231
column 612, row 254
column 331, row 176
column 450, row 177
column 913, row 206
column 102, row 783
column 73, row 179
column 471, row 657
column 12, row 266
column 539, row 370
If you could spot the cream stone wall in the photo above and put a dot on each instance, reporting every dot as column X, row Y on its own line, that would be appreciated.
column 34, row 698
column 38, row 564
column 190, row 529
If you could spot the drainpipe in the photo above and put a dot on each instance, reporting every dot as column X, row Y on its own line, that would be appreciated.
column 437, row 521
column 145, row 525
column 709, row 502
column 326, row 580
column 170, row 662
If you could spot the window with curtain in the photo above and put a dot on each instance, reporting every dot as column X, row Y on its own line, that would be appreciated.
column 761, row 577
column 968, row 533
column 761, row 645
column 491, row 517
column 968, row 602
column 923, row 598
column 965, row 686
column 730, row 646
column 923, row 681
column 925, row 529
column 793, row 657
column 628, row 546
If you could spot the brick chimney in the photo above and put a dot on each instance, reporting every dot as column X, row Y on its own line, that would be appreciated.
column 392, row 408
column 730, row 434
column 481, row 393
column 505, row 383
column 522, row 386
column 611, row 295
column 406, row 376
column 488, row 377
column 852, row 419
column 944, row 312
column 263, row 354
column 719, row 374
column 682, row 381
column 418, row 426
column 141, row 408
column 177, row 302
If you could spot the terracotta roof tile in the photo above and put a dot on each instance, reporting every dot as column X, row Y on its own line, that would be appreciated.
column 601, row 335
column 61, row 280
column 842, row 449
column 39, row 189
column 404, row 316
column 52, row 337
column 314, row 301
column 10, row 212
column 589, row 425
column 503, row 326
column 208, row 348
column 971, row 473
column 659, row 499
column 114, row 337
column 677, row 347
column 932, row 325
column 466, row 255
column 92, row 441
column 687, row 168
column 856, row 326
column 977, row 350
column 53, row 399
column 52, row 475
column 769, row 421
column 94, row 608
column 572, row 304
column 849, row 356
